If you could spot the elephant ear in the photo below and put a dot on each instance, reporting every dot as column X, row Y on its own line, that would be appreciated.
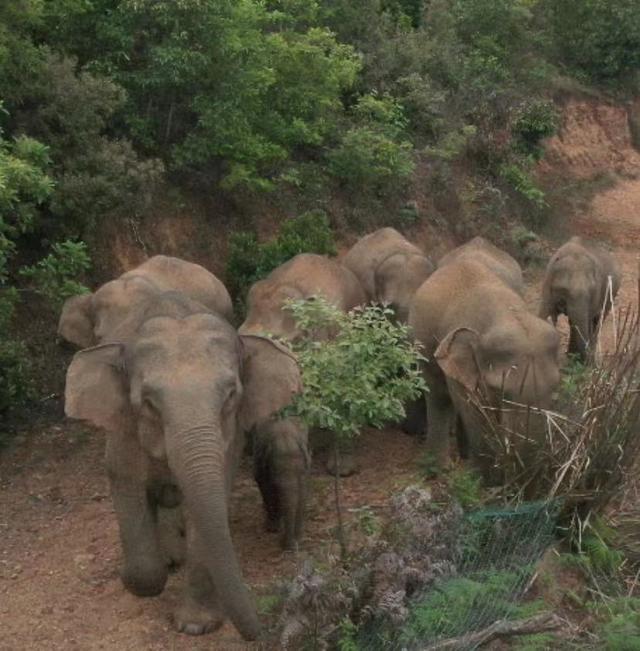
column 95, row 388
column 271, row 379
column 76, row 321
column 456, row 356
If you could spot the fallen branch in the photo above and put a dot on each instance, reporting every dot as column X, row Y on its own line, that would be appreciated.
column 502, row 628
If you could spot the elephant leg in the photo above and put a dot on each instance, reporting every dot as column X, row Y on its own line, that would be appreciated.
column 439, row 419
column 263, row 474
column 415, row 420
column 172, row 536
column 144, row 572
column 199, row 612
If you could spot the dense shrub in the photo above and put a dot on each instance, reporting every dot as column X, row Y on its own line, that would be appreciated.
column 597, row 38
column 250, row 260
column 25, row 186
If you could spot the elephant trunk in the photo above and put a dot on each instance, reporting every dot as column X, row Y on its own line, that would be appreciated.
column 197, row 459
column 581, row 335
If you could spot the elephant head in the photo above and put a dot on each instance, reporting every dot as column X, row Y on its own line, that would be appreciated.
column 520, row 366
column 397, row 279
column 109, row 314
column 267, row 312
column 186, row 388
column 90, row 319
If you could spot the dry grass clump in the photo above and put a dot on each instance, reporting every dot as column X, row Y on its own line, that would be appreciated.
column 583, row 451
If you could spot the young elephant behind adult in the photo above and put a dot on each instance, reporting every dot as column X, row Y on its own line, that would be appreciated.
column 577, row 284
column 491, row 257
column 281, row 463
column 476, row 331
column 106, row 314
column 305, row 276
column 389, row 268
column 175, row 399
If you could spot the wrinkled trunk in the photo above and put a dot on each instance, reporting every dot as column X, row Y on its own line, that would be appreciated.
column 197, row 459
column 581, row 332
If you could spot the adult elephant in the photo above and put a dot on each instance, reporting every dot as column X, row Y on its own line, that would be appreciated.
column 175, row 399
column 576, row 283
column 476, row 331
column 389, row 268
column 490, row 256
column 90, row 319
column 305, row 276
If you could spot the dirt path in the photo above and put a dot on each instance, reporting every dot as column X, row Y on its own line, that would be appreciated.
column 59, row 551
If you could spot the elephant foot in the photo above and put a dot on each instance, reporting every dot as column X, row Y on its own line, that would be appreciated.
column 144, row 582
column 346, row 465
column 193, row 619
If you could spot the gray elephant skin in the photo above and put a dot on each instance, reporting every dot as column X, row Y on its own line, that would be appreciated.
column 476, row 331
column 90, row 319
column 389, row 268
column 305, row 276
column 482, row 251
column 175, row 396
column 576, row 283
column 281, row 468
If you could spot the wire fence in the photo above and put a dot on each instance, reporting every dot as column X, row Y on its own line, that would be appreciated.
column 493, row 568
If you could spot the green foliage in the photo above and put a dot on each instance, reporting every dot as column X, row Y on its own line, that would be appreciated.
column 521, row 181
column 55, row 275
column 621, row 629
column 534, row 121
column 361, row 376
column 374, row 155
column 249, row 260
column 348, row 636
column 466, row 487
column 447, row 608
column 598, row 38
column 371, row 160
column 24, row 187
column 574, row 374
column 16, row 386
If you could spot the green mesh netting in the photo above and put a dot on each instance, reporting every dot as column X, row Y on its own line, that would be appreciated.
column 493, row 566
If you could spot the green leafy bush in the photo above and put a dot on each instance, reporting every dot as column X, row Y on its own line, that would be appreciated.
column 364, row 375
column 371, row 160
column 55, row 275
column 250, row 260
column 535, row 121
column 598, row 38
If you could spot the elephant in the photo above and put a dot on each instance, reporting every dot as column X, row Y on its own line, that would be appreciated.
column 90, row 319
column 477, row 332
column 389, row 268
column 498, row 261
column 281, row 469
column 305, row 276
column 175, row 399
column 576, row 283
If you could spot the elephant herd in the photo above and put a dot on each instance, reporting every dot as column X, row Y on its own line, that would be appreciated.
column 176, row 387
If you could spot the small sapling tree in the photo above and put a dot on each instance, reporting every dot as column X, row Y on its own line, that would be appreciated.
column 358, row 369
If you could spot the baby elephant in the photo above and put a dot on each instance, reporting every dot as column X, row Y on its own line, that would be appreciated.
column 576, row 284
column 281, row 469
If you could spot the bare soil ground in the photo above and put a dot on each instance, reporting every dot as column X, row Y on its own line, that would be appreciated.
column 59, row 551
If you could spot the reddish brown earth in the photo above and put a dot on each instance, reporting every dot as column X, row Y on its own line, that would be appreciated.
column 59, row 552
